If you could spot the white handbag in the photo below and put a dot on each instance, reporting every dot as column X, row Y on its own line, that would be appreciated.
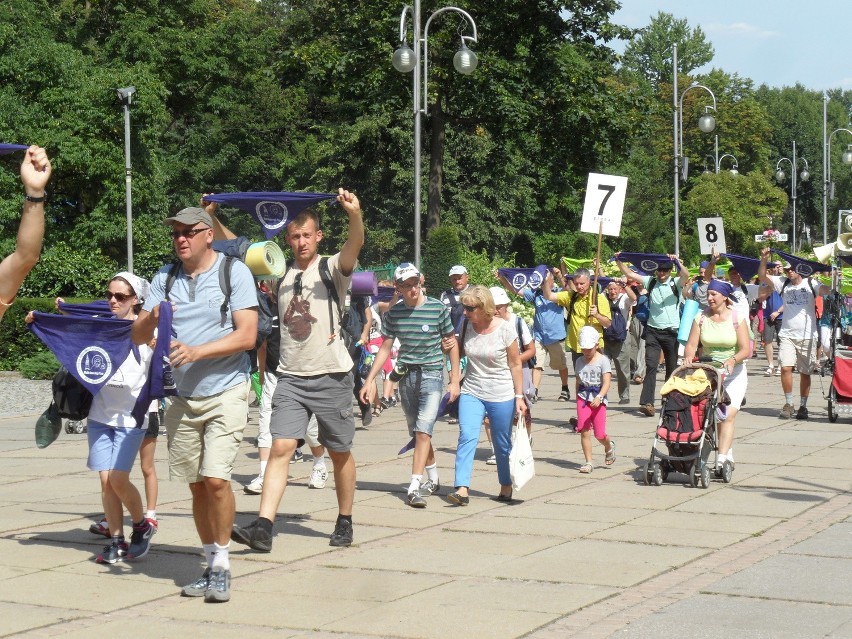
column 521, row 462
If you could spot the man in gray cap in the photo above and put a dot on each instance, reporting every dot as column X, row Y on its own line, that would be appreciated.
column 460, row 281
column 205, row 422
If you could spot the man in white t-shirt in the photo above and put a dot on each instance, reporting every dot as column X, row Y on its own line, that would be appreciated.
column 798, row 334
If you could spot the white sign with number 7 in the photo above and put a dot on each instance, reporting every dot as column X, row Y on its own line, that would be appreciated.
column 604, row 202
column 711, row 235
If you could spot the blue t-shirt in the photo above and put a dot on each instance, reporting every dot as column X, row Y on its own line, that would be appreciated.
column 663, row 304
column 548, row 322
column 773, row 303
column 198, row 320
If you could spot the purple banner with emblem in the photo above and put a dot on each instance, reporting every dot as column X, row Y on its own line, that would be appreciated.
column 647, row 262
column 98, row 308
column 91, row 348
column 273, row 210
column 519, row 278
column 803, row 267
column 11, row 148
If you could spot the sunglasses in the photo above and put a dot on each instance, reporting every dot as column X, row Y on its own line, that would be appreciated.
column 121, row 298
column 469, row 309
column 191, row 233
column 408, row 287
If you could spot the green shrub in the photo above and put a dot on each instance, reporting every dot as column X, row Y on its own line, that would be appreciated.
column 442, row 250
column 66, row 271
column 16, row 342
column 40, row 366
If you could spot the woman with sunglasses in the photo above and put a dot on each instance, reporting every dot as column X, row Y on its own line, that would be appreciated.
column 492, row 387
column 114, row 439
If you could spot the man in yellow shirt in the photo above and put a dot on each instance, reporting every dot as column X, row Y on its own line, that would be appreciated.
column 583, row 310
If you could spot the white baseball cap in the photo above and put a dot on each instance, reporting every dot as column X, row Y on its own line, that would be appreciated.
column 458, row 269
column 499, row 295
column 589, row 337
column 405, row 271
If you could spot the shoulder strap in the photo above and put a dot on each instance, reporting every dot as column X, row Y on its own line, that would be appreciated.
column 520, row 333
column 571, row 305
column 783, row 286
column 651, row 286
column 225, row 267
column 325, row 276
column 461, row 337
column 171, row 277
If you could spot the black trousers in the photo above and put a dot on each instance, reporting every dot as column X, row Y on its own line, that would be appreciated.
column 657, row 340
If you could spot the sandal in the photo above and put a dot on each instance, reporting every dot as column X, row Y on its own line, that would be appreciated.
column 610, row 454
column 586, row 468
column 638, row 379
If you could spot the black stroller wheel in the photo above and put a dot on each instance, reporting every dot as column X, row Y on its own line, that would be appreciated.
column 693, row 474
column 832, row 405
column 704, row 476
column 658, row 475
column 69, row 426
column 727, row 472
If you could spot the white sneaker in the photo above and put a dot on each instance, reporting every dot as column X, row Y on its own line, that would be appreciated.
column 778, row 372
column 491, row 461
column 768, row 372
column 319, row 475
column 255, row 486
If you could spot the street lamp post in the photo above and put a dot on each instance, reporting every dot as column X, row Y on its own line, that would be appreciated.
column 707, row 124
column 125, row 95
column 406, row 59
column 734, row 167
column 828, row 187
column 780, row 177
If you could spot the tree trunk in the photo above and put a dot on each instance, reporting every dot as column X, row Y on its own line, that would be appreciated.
column 436, row 164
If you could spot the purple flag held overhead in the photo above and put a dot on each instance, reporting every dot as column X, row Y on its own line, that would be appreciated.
column 273, row 210
column 519, row 278
column 11, row 148
column 648, row 262
column 745, row 266
column 805, row 268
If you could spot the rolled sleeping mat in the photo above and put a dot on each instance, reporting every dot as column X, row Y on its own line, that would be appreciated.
column 690, row 310
column 364, row 283
column 266, row 260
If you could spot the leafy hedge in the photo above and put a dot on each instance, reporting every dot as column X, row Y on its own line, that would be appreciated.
column 17, row 343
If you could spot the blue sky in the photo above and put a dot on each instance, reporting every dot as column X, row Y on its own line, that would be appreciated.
column 778, row 43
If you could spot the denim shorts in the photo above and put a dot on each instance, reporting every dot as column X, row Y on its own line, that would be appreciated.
column 421, row 391
column 112, row 448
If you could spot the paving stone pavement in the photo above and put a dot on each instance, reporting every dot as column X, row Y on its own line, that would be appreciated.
column 599, row 555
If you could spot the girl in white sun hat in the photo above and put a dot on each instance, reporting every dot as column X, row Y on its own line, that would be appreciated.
column 594, row 374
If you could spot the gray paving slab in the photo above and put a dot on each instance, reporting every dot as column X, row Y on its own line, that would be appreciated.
column 793, row 578
column 833, row 542
column 571, row 549
column 711, row 616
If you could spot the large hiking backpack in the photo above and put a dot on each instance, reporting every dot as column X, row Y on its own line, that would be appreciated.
column 617, row 330
column 234, row 249
column 72, row 399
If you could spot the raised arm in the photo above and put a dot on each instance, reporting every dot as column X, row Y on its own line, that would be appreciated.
column 35, row 173
column 355, row 240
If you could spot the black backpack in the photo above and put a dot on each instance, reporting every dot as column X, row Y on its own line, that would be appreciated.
column 617, row 330
column 234, row 249
column 72, row 399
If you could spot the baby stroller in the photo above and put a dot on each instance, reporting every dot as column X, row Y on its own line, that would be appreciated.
column 838, row 353
column 687, row 427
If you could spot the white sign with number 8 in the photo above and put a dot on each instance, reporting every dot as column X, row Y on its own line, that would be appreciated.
column 711, row 235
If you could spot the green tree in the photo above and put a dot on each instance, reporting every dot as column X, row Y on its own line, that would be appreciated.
column 649, row 54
